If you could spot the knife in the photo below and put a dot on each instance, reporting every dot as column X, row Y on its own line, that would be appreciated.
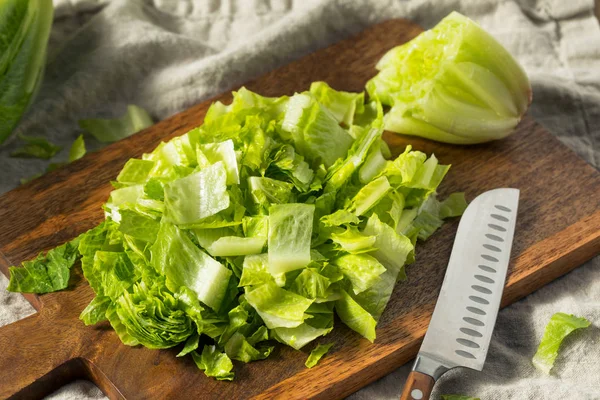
column 463, row 320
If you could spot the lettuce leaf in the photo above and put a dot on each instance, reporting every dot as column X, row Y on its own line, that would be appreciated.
column 77, row 149
column 46, row 273
column 36, row 147
column 197, row 196
column 214, row 363
column 290, row 229
column 278, row 308
column 111, row 130
column 560, row 326
column 183, row 264
column 317, row 353
column 342, row 105
column 315, row 131
column 24, row 28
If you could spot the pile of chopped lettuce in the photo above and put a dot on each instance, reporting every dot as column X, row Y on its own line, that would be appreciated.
column 258, row 225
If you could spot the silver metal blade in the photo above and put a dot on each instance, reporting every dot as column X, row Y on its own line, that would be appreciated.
column 463, row 320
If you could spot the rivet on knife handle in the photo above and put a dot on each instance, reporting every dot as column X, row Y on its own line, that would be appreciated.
column 418, row 387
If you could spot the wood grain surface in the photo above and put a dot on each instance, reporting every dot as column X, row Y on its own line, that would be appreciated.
column 558, row 228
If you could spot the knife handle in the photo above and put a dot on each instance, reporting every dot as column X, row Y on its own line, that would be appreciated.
column 418, row 386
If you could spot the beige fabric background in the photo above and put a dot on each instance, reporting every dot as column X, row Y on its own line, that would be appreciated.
column 166, row 55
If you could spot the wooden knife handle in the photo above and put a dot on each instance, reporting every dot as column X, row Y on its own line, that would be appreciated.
column 418, row 386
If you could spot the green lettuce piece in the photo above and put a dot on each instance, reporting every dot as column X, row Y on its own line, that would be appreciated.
column 355, row 316
column 24, row 29
column 256, row 226
column 361, row 269
column 559, row 327
column 454, row 205
column 342, row 105
column 238, row 348
column 137, row 171
column 183, row 264
column 267, row 191
column 96, row 311
column 112, row 130
column 236, row 246
column 290, row 229
column 255, row 270
column 317, row 353
column 390, row 208
column 374, row 163
column 454, row 83
column 340, row 217
column 191, row 344
column 458, row 397
column 319, row 324
column 138, row 226
column 48, row 272
column 315, row 131
column 36, row 147
column 392, row 248
column 224, row 152
column 77, row 149
column 279, row 308
column 115, row 273
column 197, row 196
column 354, row 242
column 369, row 195
column 299, row 336
column 214, row 363
column 343, row 169
column 311, row 284
column 287, row 165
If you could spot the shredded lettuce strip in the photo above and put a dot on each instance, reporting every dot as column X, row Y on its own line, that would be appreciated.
column 259, row 225
column 560, row 326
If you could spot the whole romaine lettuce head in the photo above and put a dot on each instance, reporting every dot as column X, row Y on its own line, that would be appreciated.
column 24, row 30
column 454, row 83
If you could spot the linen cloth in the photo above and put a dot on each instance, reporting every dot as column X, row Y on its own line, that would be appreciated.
column 168, row 55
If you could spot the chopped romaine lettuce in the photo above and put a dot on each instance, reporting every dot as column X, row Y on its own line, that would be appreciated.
column 36, row 147
column 197, row 196
column 279, row 308
column 559, row 327
column 316, row 354
column 264, row 222
column 111, row 130
column 290, row 229
column 214, row 363
column 47, row 272
column 77, row 149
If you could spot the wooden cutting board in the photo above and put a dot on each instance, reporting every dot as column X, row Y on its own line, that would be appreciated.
column 558, row 228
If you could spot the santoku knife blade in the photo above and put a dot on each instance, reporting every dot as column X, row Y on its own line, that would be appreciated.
column 463, row 320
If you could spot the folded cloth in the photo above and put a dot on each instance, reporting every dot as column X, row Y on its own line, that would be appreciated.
column 166, row 55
